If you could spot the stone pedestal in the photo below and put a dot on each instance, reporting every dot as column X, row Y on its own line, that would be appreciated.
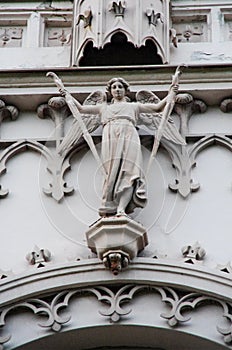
column 116, row 240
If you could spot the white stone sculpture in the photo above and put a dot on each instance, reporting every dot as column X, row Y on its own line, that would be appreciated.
column 124, row 183
column 121, row 160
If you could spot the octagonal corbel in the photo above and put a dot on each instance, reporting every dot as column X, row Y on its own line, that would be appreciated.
column 116, row 240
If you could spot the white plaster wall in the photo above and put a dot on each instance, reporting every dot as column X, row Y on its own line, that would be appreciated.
column 29, row 217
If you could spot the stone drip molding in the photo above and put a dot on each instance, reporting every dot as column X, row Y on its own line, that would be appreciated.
column 183, row 157
column 183, row 288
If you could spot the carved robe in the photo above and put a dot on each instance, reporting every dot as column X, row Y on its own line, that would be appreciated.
column 121, row 155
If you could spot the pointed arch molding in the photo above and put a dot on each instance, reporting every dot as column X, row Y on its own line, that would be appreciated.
column 130, row 18
column 56, row 165
column 184, row 160
column 48, row 294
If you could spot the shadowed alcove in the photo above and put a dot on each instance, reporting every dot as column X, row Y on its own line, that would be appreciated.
column 120, row 52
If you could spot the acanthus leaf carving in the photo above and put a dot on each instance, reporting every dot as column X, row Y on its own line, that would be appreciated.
column 118, row 7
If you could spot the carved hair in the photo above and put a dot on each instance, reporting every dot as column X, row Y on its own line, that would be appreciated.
column 120, row 80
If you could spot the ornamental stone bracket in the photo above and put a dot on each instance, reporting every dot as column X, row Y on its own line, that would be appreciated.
column 58, row 111
column 116, row 240
column 98, row 21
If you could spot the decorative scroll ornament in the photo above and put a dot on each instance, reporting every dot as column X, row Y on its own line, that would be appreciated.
column 118, row 7
column 226, row 105
column 86, row 18
column 7, row 112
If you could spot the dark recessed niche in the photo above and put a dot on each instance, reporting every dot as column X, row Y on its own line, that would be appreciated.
column 120, row 52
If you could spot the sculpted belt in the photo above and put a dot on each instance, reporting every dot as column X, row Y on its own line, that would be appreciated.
column 117, row 118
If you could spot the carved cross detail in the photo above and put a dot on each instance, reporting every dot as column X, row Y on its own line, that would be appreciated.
column 118, row 7
column 154, row 16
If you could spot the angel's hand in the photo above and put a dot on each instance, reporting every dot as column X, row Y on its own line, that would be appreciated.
column 63, row 92
column 174, row 88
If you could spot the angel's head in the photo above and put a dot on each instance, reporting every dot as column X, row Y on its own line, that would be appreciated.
column 118, row 87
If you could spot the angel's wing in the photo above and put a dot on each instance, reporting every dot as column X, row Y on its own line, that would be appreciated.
column 152, row 120
column 92, row 122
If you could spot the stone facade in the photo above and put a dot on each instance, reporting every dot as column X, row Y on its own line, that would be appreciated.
column 172, row 286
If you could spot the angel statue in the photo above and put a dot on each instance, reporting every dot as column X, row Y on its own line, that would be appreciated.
column 121, row 157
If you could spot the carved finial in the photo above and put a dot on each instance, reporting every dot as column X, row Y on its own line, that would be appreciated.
column 86, row 18
column 193, row 253
column 154, row 16
column 38, row 256
column 118, row 7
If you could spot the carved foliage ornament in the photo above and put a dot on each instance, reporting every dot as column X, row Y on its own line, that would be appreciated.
column 154, row 16
column 114, row 300
column 118, row 7
column 86, row 17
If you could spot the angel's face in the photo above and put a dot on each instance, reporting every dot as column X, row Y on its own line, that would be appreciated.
column 118, row 91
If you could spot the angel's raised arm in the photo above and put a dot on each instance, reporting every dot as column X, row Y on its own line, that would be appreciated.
column 85, row 108
column 151, row 107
